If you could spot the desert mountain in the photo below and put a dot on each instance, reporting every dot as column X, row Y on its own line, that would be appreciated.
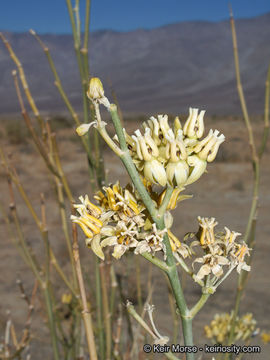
column 166, row 69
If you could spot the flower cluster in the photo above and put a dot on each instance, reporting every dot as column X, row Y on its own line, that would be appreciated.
column 174, row 156
column 120, row 220
column 219, row 250
column 213, row 251
column 220, row 327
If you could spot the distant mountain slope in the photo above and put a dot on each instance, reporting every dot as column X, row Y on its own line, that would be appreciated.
column 166, row 69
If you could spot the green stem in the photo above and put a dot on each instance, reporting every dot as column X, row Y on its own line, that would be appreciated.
column 266, row 114
column 106, row 312
column 99, row 310
column 163, row 207
column 159, row 220
column 58, row 84
column 197, row 307
column 156, row 261
column 48, row 298
column 84, row 50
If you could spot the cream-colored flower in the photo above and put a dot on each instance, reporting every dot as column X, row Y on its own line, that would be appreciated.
column 207, row 226
column 230, row 236
column 177, row 173
column 154, row 172
column 207, row 148
column 239, row 257
column 91, row 220
column 147, row 151
column 194, row 126
column 159, row 128
column 153, row 241
column 212, row 263
column 198, row 167
column 177, row 170
column 178, row 248
column 122, row 238
column 175, row 148
column 122, row 202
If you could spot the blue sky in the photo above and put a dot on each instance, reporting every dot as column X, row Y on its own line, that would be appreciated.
column 51, row 15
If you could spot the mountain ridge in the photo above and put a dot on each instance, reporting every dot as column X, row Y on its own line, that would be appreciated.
column 166, row 69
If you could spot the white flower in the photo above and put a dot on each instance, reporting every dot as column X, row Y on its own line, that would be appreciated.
column 177, row 173
column 159, row 128
column 207, row 235
column 198, row 168
column 153, row 241
column 147, row 150
column 194, row 126
column 239, row 257
column 207, row 148
column 212, row 263
column 145, row 145
column 122, row 238
column 175, row 148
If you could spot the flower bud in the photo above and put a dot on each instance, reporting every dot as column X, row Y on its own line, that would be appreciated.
column 177, row 125
column 95, row 89
column 82, row 129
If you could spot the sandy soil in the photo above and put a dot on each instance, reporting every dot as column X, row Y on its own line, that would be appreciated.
column 224, row 192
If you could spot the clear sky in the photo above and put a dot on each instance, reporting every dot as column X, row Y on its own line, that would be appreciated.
column 51, row 15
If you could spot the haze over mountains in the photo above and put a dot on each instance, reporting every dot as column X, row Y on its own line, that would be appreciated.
column 164, row 70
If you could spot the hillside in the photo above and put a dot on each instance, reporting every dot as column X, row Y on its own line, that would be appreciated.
column 161, row 70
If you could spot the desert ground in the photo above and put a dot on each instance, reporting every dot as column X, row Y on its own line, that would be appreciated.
column 224, row 192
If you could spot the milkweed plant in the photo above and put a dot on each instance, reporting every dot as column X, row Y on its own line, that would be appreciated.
column 162, row 159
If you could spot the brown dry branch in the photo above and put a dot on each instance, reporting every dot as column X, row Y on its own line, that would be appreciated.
column 13, row 346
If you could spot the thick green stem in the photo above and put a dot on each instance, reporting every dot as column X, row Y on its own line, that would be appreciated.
column 159, row 220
